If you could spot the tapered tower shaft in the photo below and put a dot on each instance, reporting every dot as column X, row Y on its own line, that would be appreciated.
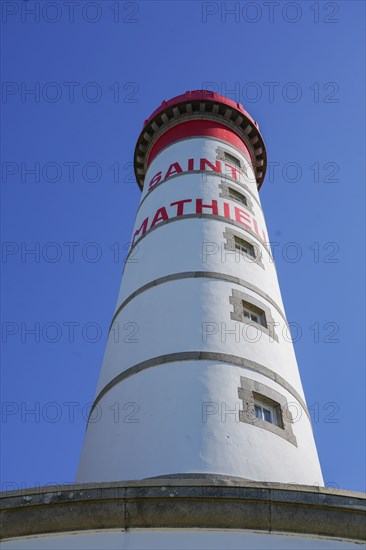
column 200, row 374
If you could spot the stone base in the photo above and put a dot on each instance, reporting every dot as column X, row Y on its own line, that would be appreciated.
column 185, row 502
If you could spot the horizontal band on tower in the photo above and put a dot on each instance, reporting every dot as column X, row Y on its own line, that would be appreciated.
column 235, row 360
column 200, row 216
column 197, row 275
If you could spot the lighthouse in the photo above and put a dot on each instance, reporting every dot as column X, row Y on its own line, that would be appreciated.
column 199, row 434
column 200, row 375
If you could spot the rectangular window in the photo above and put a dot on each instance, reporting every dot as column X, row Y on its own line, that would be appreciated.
column 267, row 410
column 254, row 314
column 232, row 160
column 244, row 246
column 236, row 196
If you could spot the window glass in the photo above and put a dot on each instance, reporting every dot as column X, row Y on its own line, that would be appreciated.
column 237, row 196
column 232, row 160
column 267, row 410
column 267, row 415
column 244, row 247
column 254, row 313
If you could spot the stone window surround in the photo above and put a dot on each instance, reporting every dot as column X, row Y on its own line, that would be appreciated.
column 247, row 248
column 229, row 245
column 225, row 194
column 225, row 178
column 220, row 155
column 248, row 391
column 236, row 300
column 225, row 183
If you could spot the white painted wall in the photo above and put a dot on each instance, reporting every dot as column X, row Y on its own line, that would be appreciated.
column 150, row 539
column 174, row 317
column 183, row 417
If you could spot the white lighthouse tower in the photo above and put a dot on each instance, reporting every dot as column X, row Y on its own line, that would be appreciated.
column 200, row 375
column 199, row 435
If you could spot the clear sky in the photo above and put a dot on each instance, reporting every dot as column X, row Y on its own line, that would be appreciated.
column 97, row 70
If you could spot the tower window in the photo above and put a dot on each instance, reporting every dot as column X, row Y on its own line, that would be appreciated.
column 240, row 242
column 236, row 196
column 236, row 160
column 232, row 160
column 254, row 314
column 249, row 310
column 244, row 246
column 267, row 410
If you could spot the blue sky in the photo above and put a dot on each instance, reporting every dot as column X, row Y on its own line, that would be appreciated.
column 97, row 73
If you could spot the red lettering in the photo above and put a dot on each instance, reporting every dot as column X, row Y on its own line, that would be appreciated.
column 173, row 169
column 215, row 167
column 242, row 217
column 235, row 173
column 143, row 228
column 160, row 216
column 200, row 206
column 227, row 210
column 191, row 164
column 180, row 206
column 155, row 180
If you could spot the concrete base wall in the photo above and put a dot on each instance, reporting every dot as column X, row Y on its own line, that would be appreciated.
column 203, row 512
